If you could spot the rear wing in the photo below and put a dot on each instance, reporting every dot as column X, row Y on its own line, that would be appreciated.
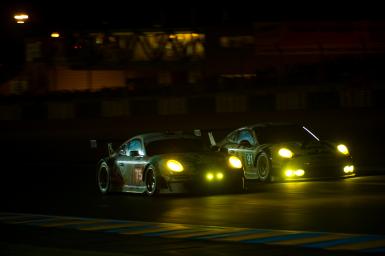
column 212, row 139
column 110, row 149
column 213, row 135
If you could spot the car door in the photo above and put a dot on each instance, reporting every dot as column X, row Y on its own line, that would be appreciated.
column 136, row 163
column 121, row 163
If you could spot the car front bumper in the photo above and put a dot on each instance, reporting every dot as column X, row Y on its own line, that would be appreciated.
column 208, row 180
column 305, row 170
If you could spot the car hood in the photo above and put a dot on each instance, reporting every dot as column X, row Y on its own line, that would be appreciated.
column 304, row 147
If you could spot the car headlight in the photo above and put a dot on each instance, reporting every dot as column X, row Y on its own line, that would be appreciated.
column 175, row 166
column 343, row 149
column 285, row 153
column 235, row 162
column 209, row 176
column 299, row 172
column 291, row 173
column 348, row 168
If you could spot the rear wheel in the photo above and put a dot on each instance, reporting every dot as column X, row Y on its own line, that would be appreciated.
column 151, row 181
column 264, row 167
column 104, row 178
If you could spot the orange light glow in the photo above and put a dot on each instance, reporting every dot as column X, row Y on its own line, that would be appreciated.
column 55, row 35
column 21, row 17
column 185, row 36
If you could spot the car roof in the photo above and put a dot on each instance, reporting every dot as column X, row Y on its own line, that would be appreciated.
column 268, row 124
column 154, row 136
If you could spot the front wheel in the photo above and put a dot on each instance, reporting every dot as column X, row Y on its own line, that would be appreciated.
column 264, row 167
column 243, row 188
column 151, row 181
column 103, row 178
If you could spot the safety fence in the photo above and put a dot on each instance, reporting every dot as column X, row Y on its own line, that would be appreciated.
column 106, row 107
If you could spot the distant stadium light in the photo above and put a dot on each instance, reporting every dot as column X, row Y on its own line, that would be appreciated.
column 55, row 34
column 185, row 36
column 21, row 17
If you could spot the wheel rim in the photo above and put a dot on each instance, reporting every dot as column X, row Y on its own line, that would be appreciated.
column 103, row 179
column 150, row 181
column 263, row 167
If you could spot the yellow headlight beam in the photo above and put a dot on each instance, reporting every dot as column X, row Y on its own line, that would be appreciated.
column 343, row 149
column 289, row 173
column 349, row 169
column 235, row 162
column 299, row 172
column 209, row 176
column 285, row 153
column 55, row 35
column 175, row 166
column 219, row 176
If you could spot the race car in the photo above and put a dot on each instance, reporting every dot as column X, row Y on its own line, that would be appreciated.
column 167, row 162
column 284, row 151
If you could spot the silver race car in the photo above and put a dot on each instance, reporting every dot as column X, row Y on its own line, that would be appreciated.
column 274, row 151
column 167, row 162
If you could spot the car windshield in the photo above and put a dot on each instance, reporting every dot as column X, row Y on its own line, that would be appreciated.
column 179, row 145
column 283, row 133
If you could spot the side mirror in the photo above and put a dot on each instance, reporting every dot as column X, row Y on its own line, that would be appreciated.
column 134, row 153
column 215, row 148
column 245, row 143
column 224, row 150
column 122, row 152
column 110, row 149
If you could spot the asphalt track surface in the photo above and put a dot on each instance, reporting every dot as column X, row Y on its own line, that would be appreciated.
column 48, row 168
column 354, row 206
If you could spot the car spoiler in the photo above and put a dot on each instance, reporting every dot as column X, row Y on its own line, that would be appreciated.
column 214, row 135
column 110, row 149
column 211, row 138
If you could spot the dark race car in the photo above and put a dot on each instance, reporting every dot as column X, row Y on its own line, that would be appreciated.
column 273, row 151
column 167, row 162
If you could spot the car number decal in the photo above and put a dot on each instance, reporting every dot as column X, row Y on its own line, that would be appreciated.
column 249, row 159
column 138, row 175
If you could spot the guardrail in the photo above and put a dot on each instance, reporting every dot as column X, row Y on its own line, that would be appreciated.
column 124, row 106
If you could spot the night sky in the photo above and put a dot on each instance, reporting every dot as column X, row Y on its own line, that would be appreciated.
column 79, row 14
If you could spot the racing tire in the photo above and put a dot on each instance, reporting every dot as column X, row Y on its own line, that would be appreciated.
column 238, row 185
column 245, row 185
column 263, row 165
column 242, row 185
column 103, row 178
column 151, row 181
